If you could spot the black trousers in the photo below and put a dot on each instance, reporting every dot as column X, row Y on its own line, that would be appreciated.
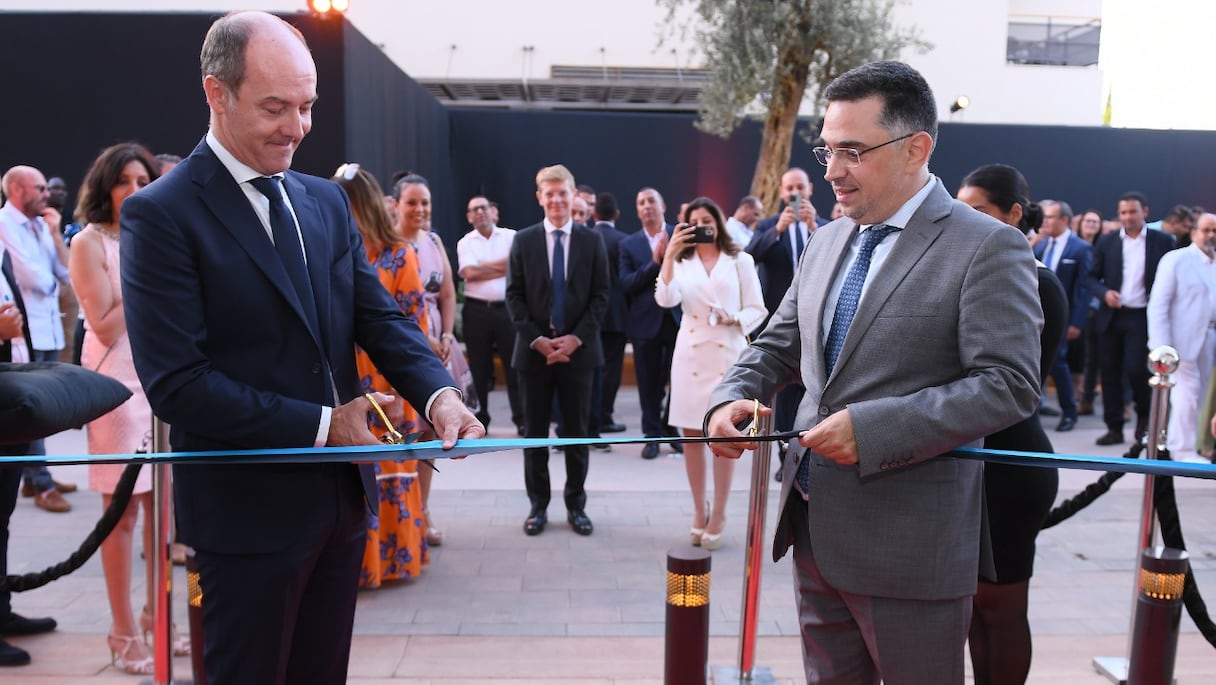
column 652, row 364
column 573, row 388
column 10, row 482
column 286, row 616
column 487, row 328
column 1124, row 346
column 614, row 363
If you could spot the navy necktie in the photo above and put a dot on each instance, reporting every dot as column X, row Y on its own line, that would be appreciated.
column 558, row 316
column 846, row 309
column 1051, row 251
column 287, row 244
column 798, row 245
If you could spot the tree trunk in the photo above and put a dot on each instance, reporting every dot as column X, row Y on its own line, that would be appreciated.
column 779, row 124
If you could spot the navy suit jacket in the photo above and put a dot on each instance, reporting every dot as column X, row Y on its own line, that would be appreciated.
column 530, row 294
column 614, row 318
column 638, row 274
column 773, row 255
column 227, row 358
column 1107, row 270
column 1073, row 273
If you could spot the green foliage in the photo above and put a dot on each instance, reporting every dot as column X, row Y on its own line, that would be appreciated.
column 752, row 46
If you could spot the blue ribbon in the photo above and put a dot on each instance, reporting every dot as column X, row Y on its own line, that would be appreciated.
column 433, row 449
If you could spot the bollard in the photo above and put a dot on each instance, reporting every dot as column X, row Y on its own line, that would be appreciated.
column 194, row 612
column 686, row 652
column 162, row 577
column 1158, row 614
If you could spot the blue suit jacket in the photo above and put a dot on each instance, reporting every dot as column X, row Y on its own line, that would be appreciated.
column 225, row 355
column 638, row 273
column 1073, row 273
column 1106, row 273
column 614, row 319
column 773, row 255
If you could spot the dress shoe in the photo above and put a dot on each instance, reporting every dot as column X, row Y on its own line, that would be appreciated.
column 1049, row 411
column 11, row 655
column 17, row 624
column 677, row 447
column 650, row 450
column 1066, row 424
column 579, row 521
column 1086, row 408
column 52, row 501
column 1111, row 438
column 602, row 446
column 519, row 430
column 27, row 489
column 535, row 523
column 777, row 476
column 612, row 428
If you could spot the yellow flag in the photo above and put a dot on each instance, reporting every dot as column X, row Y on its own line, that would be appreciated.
column 1106, row 110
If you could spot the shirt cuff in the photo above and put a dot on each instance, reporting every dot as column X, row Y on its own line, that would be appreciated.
column 323, row 427
column 434, row 396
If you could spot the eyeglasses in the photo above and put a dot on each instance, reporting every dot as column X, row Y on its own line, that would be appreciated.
column 347, row 171
column 479, row 208
column 851, row 156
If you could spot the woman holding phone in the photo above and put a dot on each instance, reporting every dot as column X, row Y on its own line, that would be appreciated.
column 715, row 283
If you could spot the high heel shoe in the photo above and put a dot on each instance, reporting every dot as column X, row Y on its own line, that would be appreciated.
column 712, row 541
column 181, row 643
column 121, row 647
column 695, row 534
column 434, row 536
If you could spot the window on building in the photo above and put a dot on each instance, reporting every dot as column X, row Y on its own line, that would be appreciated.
column 1055, row 41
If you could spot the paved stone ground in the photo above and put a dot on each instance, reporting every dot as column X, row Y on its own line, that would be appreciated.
column 497, row 606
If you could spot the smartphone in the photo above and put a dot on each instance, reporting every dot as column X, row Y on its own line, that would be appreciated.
column 701, row 234
column 795, row 201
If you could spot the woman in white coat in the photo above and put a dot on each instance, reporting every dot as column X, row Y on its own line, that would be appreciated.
column 715, row 283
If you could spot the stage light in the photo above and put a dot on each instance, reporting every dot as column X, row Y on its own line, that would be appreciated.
column 327, row 7
column 960, row 103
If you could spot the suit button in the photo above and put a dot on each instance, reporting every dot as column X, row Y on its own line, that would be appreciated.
column 316, row 368
column 825, row 411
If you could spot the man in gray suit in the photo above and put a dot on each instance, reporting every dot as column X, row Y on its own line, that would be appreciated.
column 913, row 322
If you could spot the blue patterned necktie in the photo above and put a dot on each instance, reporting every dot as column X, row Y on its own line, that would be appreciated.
column 557, row 317
column 1051, row 252
column 287, row 244
column 846, row 309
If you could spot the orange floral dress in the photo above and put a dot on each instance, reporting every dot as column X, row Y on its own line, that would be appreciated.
column 396, row 538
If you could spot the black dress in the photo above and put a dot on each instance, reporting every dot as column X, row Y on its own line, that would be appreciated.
column 1019, row 497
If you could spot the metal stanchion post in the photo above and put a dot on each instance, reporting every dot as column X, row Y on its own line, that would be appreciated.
column 753, row 559
column 162, row 578
column 686, row 649
column 1162, row 362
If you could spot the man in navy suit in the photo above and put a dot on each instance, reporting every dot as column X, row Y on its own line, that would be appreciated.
column 612, row 332
column 246, row 288
column 652, row 329
column 1124, row 268
column 557, row 292
column 1069, row 257
column 777, row 246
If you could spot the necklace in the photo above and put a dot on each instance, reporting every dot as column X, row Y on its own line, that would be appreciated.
column 112, row 235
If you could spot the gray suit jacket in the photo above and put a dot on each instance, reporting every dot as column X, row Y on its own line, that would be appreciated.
column 943, row 350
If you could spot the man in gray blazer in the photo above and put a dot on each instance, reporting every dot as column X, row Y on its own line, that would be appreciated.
column 914, row 323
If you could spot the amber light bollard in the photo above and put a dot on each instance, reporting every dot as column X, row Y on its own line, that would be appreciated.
column 687, row 639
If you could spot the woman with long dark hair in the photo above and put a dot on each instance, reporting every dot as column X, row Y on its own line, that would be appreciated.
column 1018, row 497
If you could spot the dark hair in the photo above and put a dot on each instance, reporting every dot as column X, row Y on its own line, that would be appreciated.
column 1134, row 195
column 223, row 53
column 407, row 178
column 367, row 206
column 94, row 205
column 584, row 188
column 606, row 208
column 1006, row 187
column 1180, row 213
column 750, row 200
column 724, row 242
column 908, row 102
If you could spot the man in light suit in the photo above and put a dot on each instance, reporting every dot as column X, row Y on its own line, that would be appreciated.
column 914, row 325
column 1182, row 314
column 246, row 288
column 1069, row 257
column 557, row 293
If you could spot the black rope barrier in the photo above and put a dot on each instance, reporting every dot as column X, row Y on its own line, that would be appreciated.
column 1066, row 509
column 109, row 518
column 1171, row 533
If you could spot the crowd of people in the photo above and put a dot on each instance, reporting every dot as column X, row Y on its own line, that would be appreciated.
column 255, row 322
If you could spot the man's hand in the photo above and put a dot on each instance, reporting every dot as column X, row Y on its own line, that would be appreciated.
column 1112, row 299
column 660, row 248
column 722, row 425
column 786, row 218
column 833, row 438
column 52, row 217
column 348, row 423
column 563, row 348
column 10, row 321
column 1073, row 333
column 807, row 214
column 453, row 421
column 544, row 346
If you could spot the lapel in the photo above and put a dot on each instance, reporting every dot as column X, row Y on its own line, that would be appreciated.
column 914, row 240
column 316, row 247
column 224, row 197
column 820, row 282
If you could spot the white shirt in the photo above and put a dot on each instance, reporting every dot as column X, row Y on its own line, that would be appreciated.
column 1055, row 249
column 566, row 228
column 738, row 232
column 1133, row 293
column 900, row 218
column 20, row 352
column 653, row 238
column 475, row 249
column 801, row 228
column 39, row 272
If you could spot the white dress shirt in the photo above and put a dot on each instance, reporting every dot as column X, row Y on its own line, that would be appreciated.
column 39, row 274
column 1055, row 250
column 1133, row 293
column 475, row 249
